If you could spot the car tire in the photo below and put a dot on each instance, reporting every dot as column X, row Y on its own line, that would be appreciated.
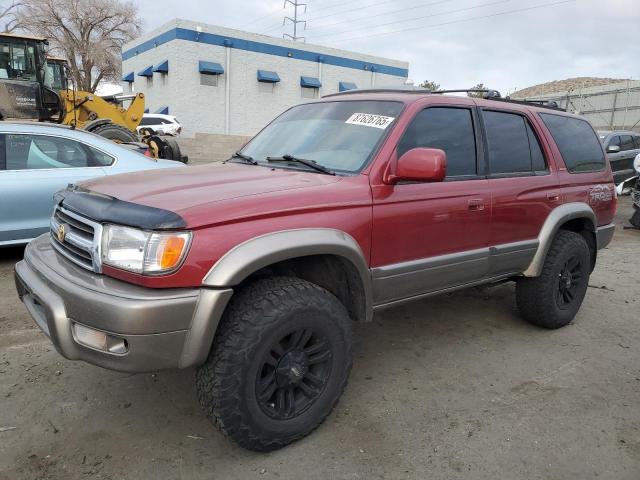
column 279, row 363
column 172, row 150
column 115, row 133
column 553, row 299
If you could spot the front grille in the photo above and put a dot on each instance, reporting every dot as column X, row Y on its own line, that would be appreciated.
column 76, row 238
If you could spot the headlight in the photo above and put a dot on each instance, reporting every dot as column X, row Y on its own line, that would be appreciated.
column 140, row 251
column 636, row 164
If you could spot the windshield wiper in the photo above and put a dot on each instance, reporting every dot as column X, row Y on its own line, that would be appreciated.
column 246, row 158
column 302, row 161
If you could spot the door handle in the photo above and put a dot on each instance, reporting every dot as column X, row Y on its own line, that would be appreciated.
column 476, row 204
column 553, row 197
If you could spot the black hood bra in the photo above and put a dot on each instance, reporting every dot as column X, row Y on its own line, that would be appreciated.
column 103, row 208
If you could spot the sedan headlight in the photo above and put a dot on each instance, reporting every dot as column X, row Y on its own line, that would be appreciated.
column 141, row 251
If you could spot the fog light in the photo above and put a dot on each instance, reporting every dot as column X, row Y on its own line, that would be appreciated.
column 90, row 337
column 99, row 340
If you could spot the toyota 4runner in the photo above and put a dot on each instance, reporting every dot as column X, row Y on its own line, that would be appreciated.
column 254, row 271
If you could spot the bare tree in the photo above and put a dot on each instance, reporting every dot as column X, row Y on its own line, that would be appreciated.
column 88, row 33
column 8, row 20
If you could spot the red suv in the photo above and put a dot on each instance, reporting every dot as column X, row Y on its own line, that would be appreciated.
column 254, row 271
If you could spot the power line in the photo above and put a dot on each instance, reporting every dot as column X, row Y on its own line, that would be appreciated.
column 551, row 4
column 431, row 15
column 351, row 20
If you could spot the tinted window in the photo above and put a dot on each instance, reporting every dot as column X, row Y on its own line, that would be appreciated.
column 148, row 121
column 614, row 141
column 626, row 142
column 538, row 163
column 508, row 143
column 577, row 142
column 35, row 152
column 636, row 141
column 449, row 129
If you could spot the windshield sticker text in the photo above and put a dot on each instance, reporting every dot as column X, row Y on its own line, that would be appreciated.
column 370, row 120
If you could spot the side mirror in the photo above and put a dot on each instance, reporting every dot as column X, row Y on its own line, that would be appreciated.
column 421, row 165
column 613, row 148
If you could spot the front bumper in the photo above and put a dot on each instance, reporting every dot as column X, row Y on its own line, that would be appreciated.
column 162, row 329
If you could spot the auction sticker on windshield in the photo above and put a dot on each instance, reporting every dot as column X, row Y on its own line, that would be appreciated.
column 370, row 120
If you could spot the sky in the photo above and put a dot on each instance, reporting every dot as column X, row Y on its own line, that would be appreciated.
column 504, row 44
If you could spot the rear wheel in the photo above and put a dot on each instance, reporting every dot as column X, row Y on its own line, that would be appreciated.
column 553, row 299
column 279, row 363
column 116, row 133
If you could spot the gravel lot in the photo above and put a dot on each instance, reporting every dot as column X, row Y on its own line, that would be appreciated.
column 452, row 387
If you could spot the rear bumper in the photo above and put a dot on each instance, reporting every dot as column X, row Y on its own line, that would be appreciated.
column 604, row 235
column 162, row 329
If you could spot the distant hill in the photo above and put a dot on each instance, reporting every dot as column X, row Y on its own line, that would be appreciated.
column 564, row 85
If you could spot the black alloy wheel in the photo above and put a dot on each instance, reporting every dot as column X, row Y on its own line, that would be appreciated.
column 293, row 374
column 569, row 280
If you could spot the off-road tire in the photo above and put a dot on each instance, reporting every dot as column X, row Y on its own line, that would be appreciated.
column 257, row 315
column 635, row 218
column 537, row 298
column 115, row 133
column 172, row 150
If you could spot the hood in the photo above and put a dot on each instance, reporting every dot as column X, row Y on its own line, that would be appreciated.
column 199, row 189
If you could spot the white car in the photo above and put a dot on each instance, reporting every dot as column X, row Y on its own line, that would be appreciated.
column 160, row 124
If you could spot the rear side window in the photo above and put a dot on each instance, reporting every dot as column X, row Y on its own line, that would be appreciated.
column 578, row 143
column 40, row 152
column 513, row 147
column 449, row 129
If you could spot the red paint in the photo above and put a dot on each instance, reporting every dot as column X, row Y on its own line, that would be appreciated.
column 228, row 204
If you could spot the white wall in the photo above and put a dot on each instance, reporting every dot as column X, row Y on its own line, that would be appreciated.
column 201, row 109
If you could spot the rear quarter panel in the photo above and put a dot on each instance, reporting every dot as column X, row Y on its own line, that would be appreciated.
column 596, row 189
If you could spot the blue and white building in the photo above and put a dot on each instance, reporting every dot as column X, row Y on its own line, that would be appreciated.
column 224, row 81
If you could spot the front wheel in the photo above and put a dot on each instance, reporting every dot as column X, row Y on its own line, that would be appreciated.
column 553, row 299
column 279, row 363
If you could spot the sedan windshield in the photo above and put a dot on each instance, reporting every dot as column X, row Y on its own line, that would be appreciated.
column 340, row 136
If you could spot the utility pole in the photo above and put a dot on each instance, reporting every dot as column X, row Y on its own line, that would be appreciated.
column 294, row 20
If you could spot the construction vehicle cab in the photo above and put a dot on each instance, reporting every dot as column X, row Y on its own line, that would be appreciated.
column 24, row 93
column 35, row 87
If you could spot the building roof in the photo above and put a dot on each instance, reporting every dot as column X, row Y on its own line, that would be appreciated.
column 184, row 30
column 22, row 36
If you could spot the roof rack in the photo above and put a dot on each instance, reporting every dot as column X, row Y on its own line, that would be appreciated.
column 487, row 94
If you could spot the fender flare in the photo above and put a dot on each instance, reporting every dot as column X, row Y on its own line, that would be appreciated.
column 259, row 252
column 557, row 217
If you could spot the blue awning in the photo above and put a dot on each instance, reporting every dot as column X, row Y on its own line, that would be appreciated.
column 163, row 110
column 162, row 67
column 128, row 77
column 310, row 82
column 146, row 110
column 210, row 68
column 269, row 77
column 147, row 72
column 343, row 86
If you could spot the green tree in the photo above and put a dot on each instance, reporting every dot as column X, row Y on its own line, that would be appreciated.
column 429, row 85
column 479, row 86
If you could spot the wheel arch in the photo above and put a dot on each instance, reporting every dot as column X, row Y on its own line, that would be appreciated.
column 575, row 216
column 328, row 257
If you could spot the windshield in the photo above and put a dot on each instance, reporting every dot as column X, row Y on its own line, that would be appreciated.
column 341, row 136
column 17, row 61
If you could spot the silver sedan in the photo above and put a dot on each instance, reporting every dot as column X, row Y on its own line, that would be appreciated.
column 37, row 160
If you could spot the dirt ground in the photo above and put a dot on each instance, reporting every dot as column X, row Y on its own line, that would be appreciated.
column 451, row 387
